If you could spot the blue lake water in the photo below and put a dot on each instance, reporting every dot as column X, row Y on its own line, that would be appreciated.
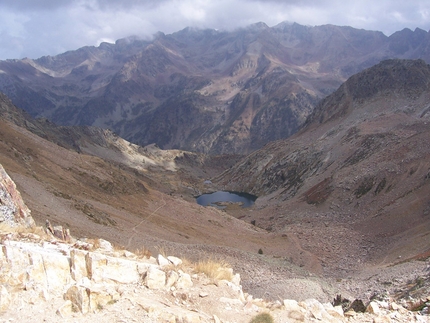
column 222, row 196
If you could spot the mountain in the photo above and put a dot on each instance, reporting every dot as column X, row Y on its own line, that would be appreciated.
column 358, row 168
column 342, row 206
column 203, row 90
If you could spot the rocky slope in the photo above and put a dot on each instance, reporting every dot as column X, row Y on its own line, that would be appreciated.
column 47, row 275
column 142, row 197
column 359, row 168
column 203, row 90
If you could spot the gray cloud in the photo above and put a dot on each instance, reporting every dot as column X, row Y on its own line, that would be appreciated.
column 31, row 28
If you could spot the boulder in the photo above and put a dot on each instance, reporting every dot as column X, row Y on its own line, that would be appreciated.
column 174, row 260
column 155, row 278
column 172, row 278
column 373, row 308
column 105, row 268
column 78, row 265
column 184, row 281
column 79, row 298
column 162, row 261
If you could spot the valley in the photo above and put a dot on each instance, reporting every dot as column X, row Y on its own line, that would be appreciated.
column 332, row 209
column 337, row 155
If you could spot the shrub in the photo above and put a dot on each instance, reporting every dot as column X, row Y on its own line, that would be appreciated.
column 260, row 251
column 262, row 318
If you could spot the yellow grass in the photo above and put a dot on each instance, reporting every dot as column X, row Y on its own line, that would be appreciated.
column 217, row 270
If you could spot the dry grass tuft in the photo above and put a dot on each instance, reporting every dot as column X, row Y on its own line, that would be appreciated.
column 35, row 230
column 215, row 269
column 143, row 253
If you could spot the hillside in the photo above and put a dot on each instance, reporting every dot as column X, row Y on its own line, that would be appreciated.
column 355, row 180
column 342, row 205
column 48, row 275
column 203, row 90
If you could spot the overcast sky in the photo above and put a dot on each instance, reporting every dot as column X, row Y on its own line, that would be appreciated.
column 34, row 28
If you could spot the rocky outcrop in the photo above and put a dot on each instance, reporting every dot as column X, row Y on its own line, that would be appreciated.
column 13, row 211
column 89, row 284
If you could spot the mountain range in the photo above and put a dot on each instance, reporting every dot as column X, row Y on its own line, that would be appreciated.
column 205, row 91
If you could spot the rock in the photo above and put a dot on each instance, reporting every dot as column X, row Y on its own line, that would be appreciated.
column 358, row 306
column 373, row 308
column 316, row 309
column 66, row 309
column 174, row 260
column 172, row 278
column 335, row 311
column 162, row 261
column 105, row 268
column 79, row 297
column 104, row 245
column 236, row 279
column 5, row 299
column 155, row 278
column 78, row 265
column 294, row 311
column 101, row 295
column 57, row 269
column 184, row 281
column 13, row 211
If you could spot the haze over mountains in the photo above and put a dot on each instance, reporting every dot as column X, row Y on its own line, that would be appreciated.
column 203, row 90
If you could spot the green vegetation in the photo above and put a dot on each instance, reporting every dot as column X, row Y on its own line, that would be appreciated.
column 262, row 318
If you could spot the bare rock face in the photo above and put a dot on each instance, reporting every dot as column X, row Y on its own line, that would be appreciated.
column 13, row 210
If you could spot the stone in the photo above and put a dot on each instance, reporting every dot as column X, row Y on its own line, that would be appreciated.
column 316, row 309
column 79, row 297
column 162, row 261
column 101, row 295
column 5, row 299
column 78, row 265
column 184, row 281
column 358, row 306
column 373, row 308
column 66, row 309
column 104, row 245
column 172, row 278
column 236, row 279
column 57, row 270
column 155, row 278
column 36, row 270
column 294, row 311
column 105, row 268
column 175, row 261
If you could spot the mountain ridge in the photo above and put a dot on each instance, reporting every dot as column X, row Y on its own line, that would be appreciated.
column 203, row 90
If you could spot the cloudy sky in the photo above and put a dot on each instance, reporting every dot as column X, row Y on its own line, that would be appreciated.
column 34, row 28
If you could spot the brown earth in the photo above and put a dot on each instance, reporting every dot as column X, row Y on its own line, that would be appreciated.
column 152, row 206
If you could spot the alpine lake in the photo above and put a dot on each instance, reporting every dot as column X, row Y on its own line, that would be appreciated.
column 221, row 199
